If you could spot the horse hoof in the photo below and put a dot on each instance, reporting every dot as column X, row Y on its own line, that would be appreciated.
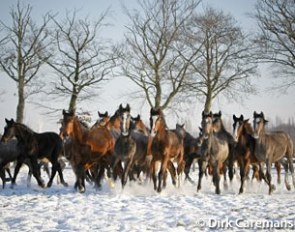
column 65, row 184
column 288, row 187
column 217, row 191
column 273, row 187
column 81, row 190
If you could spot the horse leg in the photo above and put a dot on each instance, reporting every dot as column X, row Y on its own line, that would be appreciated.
column 268, row 176
column 2, row 176
column 100, row 170
column 54, row 168
column 242, row 175
column 36, row 171
column 127, row 167
column 80, row 176
column 202, row 169
column 187, row 168
column 60, row 173
column 153, row 172
column 216, row 176
column 278, row 168
column 291, row 167
column 286, row 167
column 172, row 171
column 231, row 162
column 18, row 165
column 163, row 173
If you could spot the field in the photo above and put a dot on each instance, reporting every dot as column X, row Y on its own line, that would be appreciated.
column 139, row 208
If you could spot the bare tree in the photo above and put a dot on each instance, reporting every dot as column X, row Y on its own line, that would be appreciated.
column 23, row 51
column 82, row 60
column 152, row 59
column 276, row 37
column 223, row 63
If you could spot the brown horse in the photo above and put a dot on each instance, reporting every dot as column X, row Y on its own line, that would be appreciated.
column 139, row 126
column 272, row 147
column 191, row 149
column 245, row 149
column 97, row 141
column 214, row 150
column 166, row 146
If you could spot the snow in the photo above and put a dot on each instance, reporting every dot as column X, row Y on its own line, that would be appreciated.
column 140, row 208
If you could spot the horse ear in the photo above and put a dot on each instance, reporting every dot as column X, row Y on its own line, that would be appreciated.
column 262, row 114
column 265, row 121
column 120, row 107
column 234, row 117
column 254, row 114
column 247, row 120
column 128, row 107
column 242, row 117
column 64, row 112
column 7, row 121
column 219, row 113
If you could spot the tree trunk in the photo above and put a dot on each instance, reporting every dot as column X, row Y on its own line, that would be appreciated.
column 21, row 101
column 73, row 102
column 208, row 102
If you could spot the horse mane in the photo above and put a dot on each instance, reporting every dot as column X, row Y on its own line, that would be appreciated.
column 248, row 126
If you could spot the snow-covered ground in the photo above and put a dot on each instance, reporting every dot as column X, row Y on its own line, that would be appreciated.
column 139, row 208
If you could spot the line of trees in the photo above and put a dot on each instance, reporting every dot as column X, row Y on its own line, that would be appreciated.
column 172, row 50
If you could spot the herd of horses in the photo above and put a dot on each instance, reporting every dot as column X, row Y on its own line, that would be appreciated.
column 121, row 147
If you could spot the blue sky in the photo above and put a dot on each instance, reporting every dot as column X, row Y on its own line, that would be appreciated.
column 273, row 104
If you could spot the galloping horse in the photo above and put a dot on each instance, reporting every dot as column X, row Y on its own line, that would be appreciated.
column 97, row 143
column 245, row 149
column 214, row 150
column 191, row 149
column 36, row 146
column 166, row 146
column 273, row 147
column 222, row 133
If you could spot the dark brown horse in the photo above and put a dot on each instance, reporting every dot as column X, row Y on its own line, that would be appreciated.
column 244, row 149
column 166, row 146
column 191, row 149
column 35, row 146
column 272, row 147
column 96, row 143
column 214, row 151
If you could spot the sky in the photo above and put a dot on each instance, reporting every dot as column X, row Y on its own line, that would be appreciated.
column 273, row 104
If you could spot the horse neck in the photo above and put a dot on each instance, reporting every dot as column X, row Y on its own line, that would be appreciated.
column 23, row 133
column 162, row 131
column 80, row 132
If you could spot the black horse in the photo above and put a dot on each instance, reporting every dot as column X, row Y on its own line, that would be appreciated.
column 35, row 146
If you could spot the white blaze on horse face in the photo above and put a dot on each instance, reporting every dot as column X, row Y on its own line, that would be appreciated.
column 125, row 127
column 153, row 130
column 256, row 128
column 235, row 132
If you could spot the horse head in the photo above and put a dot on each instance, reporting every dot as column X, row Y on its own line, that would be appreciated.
column 157, row 121
column 207, row 123
column 103, row 120
column 237, row 122
column 9, row 130
column 67, row 124
column 125, row 117
column 259, row 123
